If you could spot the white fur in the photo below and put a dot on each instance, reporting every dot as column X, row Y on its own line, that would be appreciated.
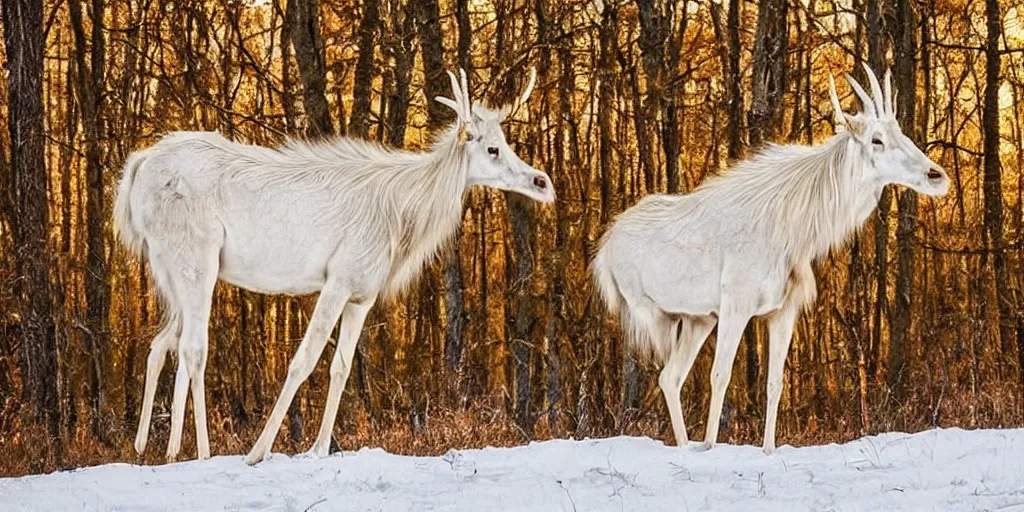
column 741, row 245
column 347, row 218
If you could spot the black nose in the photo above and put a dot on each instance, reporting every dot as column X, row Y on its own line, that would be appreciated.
column 540, row 182
column 934, row 174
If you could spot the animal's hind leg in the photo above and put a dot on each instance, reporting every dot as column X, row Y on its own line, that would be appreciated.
column 780, row 333
column 165, row 341
column 193, row 288
column 732, row 320
column 693, row 331
column 351, row 324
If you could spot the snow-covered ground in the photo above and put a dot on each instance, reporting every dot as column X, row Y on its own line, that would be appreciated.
column 948, row 469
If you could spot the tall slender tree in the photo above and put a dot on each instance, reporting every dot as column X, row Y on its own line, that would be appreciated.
column 905, row 47
column 768, row 82
column 90, row 94
column 23, row 39
column 369, row 27
column 304, row 21
column 993, row 179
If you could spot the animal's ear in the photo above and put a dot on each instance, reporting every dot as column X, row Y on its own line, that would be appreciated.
column 464, row 134
column 504, row 112
column 855, row 124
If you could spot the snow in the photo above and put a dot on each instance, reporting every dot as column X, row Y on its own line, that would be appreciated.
column 944, row 469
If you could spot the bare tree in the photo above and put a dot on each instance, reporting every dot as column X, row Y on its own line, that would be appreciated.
column 23, row 38
column 992, row 177
column 89, row 89
column 309, row 54
column 359, row 123
column 905, row 48
column 768, row 81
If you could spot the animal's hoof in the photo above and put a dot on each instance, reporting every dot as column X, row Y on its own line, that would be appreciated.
column 708, row 445
column 319, row 451
column 140, row 445
column 255, row 457
column 172, row 453
column 769, row 449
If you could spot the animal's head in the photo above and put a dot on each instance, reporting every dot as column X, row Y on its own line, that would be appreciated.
column 889, row 156
column 492, row 162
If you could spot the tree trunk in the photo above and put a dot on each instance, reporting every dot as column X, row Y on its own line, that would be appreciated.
column 735, row 80
column 89, row 89
column 309, row 54
column 905, row 77
column 435, row 80
column 605, row 97
column 454, row 338
column 402, row 48
column 660, row 41
column 23, row 37
column 993, row 180
column 428, row 20
column 768, row 81
column 876, row 52
column 359, row 123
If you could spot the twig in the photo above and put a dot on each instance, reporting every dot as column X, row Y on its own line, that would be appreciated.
column 567, row 494
column 315, row 503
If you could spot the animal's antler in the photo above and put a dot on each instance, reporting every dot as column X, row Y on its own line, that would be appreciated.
column 883, row 102
column 459, row 102
column 837, row 107
column 522, row 99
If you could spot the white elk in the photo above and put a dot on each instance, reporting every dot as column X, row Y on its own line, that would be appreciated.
column 350, row 219
column 741, row 245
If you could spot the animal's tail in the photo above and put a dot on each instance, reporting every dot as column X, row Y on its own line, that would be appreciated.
column 604, row 280
column 126, row 230
column 643, row 329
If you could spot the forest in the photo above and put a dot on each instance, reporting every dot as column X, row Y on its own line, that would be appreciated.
column 919, row 321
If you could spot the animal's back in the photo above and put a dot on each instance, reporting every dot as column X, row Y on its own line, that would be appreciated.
column 260, row 207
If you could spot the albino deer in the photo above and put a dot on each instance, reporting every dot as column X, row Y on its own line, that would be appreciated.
column 741, row 245
column 348, row 218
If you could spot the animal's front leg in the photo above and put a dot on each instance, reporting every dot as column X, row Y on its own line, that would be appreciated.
column 328, row 307
column 351, row 325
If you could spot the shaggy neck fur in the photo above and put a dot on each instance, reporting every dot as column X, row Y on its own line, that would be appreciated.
column 414, row 200
column 809, row 198
column 428, row 204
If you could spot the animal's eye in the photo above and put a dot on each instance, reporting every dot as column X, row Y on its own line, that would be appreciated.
column 878, row 142
column 493, row 152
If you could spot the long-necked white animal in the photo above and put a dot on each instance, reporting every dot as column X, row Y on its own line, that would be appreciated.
column 348, row 218
column 741, row 245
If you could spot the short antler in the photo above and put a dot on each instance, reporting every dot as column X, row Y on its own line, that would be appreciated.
column 460, row 101
column 521, row 101
column 837, row 107
column 876, row 91
column 529, row 87
column 881, row 102
column 869, row 104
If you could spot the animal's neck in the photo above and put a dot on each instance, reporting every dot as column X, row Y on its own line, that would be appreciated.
column 431, row 216
column 826, row 200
